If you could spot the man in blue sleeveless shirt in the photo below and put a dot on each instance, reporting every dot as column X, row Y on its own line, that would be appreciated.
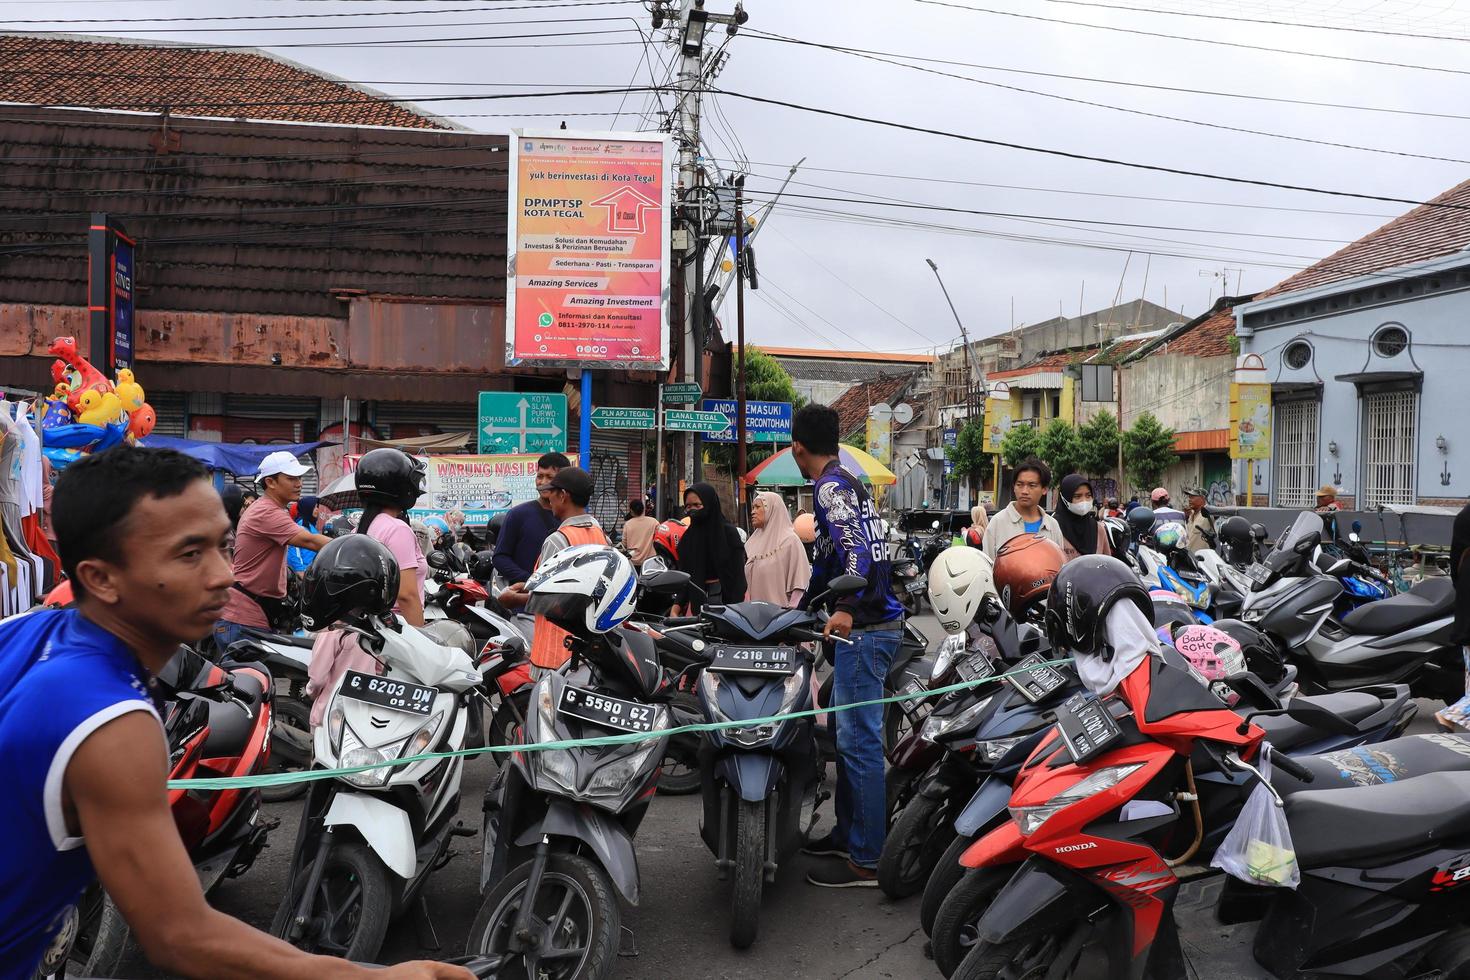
column 141, row 535
column 850, row 542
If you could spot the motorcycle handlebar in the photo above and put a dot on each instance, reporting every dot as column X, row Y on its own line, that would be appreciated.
column 1292, row 768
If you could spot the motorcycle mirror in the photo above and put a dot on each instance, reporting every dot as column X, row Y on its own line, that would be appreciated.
column 1357, row 526
column 1310, row 713
column 438, row 560
column 1253, row 691
column 1258, row 531
column 847, row 585
column 513, row 649
column 1307, row 544
column 654, row 566
column 668, row 582
column 935, row 525
column 1354, row 537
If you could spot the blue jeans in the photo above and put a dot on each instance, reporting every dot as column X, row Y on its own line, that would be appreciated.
column 225, row 633
column 858, row 674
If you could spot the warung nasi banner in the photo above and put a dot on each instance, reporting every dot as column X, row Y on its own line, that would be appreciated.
column 588, row 256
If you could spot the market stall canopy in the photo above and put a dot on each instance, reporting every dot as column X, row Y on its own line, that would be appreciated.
column 781, row 470
column 440, row 441
column 239, row 458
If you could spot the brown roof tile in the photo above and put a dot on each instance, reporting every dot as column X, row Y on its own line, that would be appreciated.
column 1209, row 338
column 1427, row 232
column 148, row 76
column 852, row 407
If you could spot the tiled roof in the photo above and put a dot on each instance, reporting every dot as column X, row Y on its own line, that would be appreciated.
column 847, row 355
column 852, row 407
column 1207, row 335
column 1046, row 362
column 1427, row 232
column 152, row 76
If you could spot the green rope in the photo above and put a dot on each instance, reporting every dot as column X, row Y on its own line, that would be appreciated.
column 310, row 775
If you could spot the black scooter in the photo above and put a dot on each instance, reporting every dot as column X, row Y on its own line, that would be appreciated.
column 761, row 782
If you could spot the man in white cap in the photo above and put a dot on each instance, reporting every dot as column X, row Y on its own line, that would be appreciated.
column 261, row 539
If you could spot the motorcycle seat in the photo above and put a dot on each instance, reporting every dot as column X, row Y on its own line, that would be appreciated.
column 1431, row 599
column 1341, row 826
column 1287, row 733
column 232, row 722
column 286, row 639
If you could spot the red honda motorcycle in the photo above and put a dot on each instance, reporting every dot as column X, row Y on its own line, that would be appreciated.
column 1082, row 888
column 218, row 723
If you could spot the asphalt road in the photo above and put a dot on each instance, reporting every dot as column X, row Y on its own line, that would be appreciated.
column 680, row 928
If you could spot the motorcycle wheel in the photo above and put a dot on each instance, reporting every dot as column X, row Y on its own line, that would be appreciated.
column 945, row 876
column 680, row 773
column 914, row 844
column 750, row 872
column 291, row 747
column 899, row 787
column 896, row 724
column 574, row 912
column 103, row 937
column 954, row 927
column 350, row 910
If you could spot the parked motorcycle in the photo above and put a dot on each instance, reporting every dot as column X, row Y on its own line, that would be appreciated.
column 288, row 658
column 369, row 840
column 762, row 783
column 1406, row 638
column 559, row 824
column 216, row 720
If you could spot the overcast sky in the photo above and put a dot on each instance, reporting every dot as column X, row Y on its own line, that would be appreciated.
column 840, row 281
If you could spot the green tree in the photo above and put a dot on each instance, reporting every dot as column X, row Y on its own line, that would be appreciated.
column 1059, row 447
column 968, row 452
column 765, row 381
column 1148, row 450
column 1021, row 442
column 1097, row 444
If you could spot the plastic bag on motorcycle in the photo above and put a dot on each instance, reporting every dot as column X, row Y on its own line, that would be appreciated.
column 1258, row 849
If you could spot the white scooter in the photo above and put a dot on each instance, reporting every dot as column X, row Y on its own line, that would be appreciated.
column 369, row 840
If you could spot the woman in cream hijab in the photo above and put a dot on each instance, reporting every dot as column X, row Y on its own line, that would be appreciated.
column 776, row 565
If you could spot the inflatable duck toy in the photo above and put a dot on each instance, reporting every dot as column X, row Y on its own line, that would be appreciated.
column 129, row 391
column 99, row 408
column 141, row 421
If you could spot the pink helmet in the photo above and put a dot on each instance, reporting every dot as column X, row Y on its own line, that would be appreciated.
column 1214, row 654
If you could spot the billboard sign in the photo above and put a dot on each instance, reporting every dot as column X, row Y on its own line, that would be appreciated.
column 588, row 256
column 522, row 422
column 480, row 486
column 1250, row 421
column 120, row 316
column 764, row 421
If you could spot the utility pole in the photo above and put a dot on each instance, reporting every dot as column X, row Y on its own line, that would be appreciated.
column 740, row 459
column 972, row 372
column 689, row 35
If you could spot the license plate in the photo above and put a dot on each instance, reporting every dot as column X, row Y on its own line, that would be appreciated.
column 1087, row 727
column 1258, row 573
column 609, row 712
column 753, row 660
column 974, row 667
column 915, row 586
column 386, row 692
column 1033, row 680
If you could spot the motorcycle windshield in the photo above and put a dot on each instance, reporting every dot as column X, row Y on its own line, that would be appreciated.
column 1305, row 523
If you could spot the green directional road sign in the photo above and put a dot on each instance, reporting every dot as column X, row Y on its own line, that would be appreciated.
column 623, row 418
column 522, row 422
column 684, row 393
column 680, row 421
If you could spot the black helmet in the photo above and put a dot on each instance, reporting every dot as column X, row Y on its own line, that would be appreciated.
column 352, row 576
column 1234, row 540
column 1140, row 519
column 389, row 477
column 1262, row 655
column 1081, row 596
column 233, row 497
column 482, row 569
column 465, row 554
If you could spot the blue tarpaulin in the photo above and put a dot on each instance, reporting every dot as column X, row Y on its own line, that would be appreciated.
column 239, row 458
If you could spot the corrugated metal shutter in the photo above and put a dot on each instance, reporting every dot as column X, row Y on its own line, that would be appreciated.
column 399, row 420
column 267, row 419
column 617, row 475
column 1388, row 447
column 170, row 408
column 1294, row 476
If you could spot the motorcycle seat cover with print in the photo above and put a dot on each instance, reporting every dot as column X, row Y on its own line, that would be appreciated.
column 1340, row 826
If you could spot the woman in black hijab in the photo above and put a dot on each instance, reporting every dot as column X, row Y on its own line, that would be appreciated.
column 1082, row 532
column 711, row 551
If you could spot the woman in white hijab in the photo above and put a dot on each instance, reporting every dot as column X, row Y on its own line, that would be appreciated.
column 776, row 566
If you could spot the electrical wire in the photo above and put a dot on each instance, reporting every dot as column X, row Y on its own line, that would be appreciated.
column 766, row 280
column 1196, row 40
column 1260, row 20
column 1114, row 108
column 430, row 11
column 1088, row 157
column 294, row 28
column 38, row 44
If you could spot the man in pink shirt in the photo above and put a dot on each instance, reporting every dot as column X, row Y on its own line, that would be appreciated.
column 261, row 539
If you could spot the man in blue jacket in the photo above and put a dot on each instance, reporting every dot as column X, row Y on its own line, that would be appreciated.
column 850, row 542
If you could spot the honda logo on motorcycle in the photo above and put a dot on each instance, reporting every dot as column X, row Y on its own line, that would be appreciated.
column 1067, row 849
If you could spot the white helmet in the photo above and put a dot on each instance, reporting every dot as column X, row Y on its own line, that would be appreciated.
column 586, row 589
column 958, row 580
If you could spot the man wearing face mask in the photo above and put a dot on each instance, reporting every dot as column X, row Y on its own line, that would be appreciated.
column 1082, row 532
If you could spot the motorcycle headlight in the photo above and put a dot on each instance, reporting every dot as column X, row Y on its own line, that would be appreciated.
column 1030, row 818
column 419, row 741
column 336, row 721
column 553, row 766
column 361, row 755
column 952, row 647
column 937, row 726
column 616, row 778
column 993, row 750
column 709, row 683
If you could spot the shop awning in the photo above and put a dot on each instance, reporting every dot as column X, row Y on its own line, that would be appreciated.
column 239, row 458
